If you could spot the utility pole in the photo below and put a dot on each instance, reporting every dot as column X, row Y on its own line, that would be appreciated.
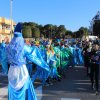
column 11, row 17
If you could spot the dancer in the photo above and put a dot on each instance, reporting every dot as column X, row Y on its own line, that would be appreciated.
column 3, row 58
column 20, row 85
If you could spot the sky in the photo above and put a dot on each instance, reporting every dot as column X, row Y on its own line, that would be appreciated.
column 71, row 13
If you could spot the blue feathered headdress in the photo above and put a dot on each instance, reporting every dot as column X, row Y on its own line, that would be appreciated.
column 15, row 49
column 18, row 30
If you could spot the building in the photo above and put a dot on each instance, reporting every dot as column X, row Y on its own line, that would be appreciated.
column 95, row 25
column 5, row 28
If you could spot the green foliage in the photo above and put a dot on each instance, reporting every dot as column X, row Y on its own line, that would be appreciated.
column 31, row 29
column 27, row 32
column 36, row 32
column 31, row 24
column 61, row 31
column 48, row 30
column 83, row 31
column 69, row 34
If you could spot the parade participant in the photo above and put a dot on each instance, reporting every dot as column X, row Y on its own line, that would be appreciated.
column 27, row 41
column 81, row 61
column 28, row 62
column 51, row 60
column 86, row 56
column 0, row 48
column 57, row 50
column 72, row 63
column 20, row 85
column 66, row 56
column 42, row 50
column 39, row 73
column 76, row 54
column 3, row 58
column 95, row 59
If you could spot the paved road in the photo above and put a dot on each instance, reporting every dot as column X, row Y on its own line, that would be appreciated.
column 76, row 86
column 3, row 88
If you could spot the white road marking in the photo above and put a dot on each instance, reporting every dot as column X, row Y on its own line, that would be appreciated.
column 38, row 91
column 69, row 99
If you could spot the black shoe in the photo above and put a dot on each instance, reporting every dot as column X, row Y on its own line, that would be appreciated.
column 50, row 83
column 59, row 79
column 96, row 92
column 88, row 75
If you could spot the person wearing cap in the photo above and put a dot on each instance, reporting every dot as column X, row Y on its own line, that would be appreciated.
column 20, row 85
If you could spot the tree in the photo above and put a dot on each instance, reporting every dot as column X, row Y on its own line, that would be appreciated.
column 41, row 28
column 36, row 32
column 48, row 30
column 61, row 31
column 76, row 34
column 31, row 24
column 83, row 31
column 69, row 34
column 54, row 31
column 27, row 32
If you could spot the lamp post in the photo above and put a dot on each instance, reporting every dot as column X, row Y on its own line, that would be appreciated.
column 11, row 17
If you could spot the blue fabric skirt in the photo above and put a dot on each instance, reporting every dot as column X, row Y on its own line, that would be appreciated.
column 27, row 92
column 40, row 74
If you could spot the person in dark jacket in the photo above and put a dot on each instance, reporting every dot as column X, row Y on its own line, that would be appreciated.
column 95, row 58
column 86, row 55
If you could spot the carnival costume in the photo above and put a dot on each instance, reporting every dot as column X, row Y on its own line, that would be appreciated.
column 3, row 58
column 20, row 85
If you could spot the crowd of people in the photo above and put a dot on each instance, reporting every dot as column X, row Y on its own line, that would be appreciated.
column 46, row 59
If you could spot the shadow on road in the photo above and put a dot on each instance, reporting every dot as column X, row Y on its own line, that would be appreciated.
column 3, row 81
column 76, row 85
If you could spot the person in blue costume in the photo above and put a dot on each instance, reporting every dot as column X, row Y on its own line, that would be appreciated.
column 20, row 85
column 3, row 58
column 29, row 64
column 39, row 73
column 57, row 52
column 81, row 61
column 76, row 55
column 72, row 63
column 0, row 55
column 79, row 57
column 51, row 60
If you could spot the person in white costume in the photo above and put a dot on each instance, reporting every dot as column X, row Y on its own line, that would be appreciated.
column 20, row 85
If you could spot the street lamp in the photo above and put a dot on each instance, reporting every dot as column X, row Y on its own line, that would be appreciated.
column 11, row 17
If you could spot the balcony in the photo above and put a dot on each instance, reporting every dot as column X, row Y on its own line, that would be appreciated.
column 4, row 31
column 6, row 21
column 2, row 20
